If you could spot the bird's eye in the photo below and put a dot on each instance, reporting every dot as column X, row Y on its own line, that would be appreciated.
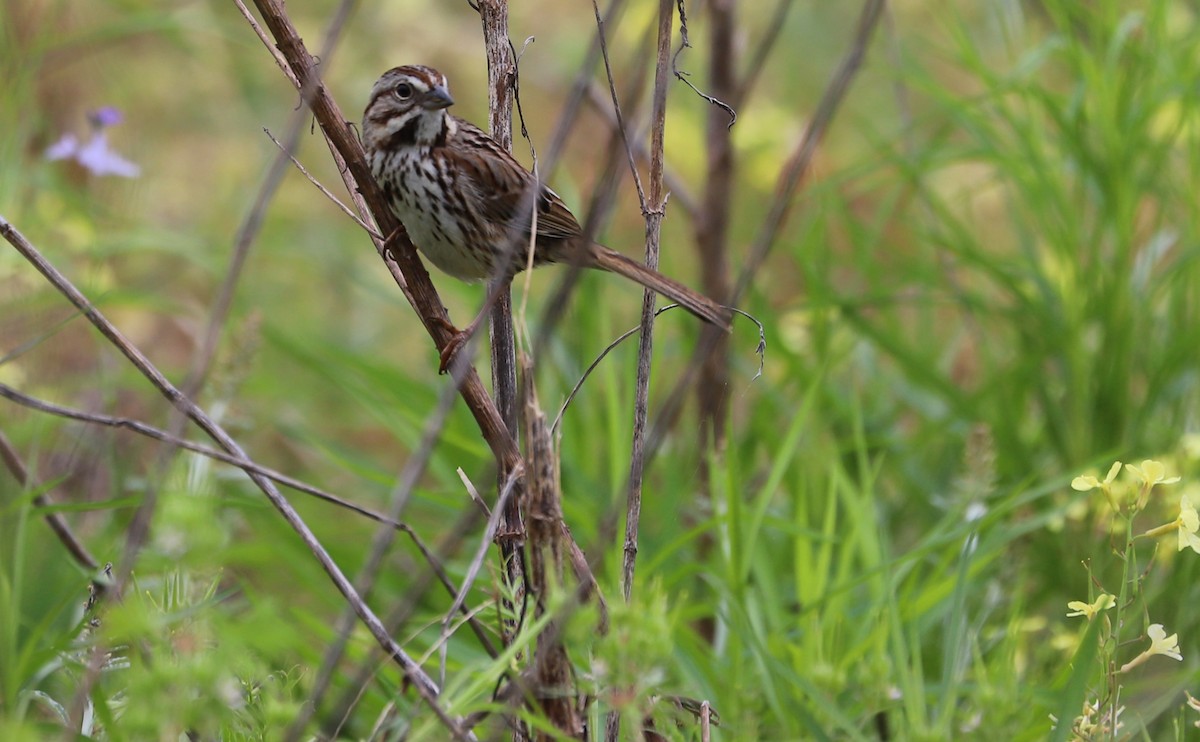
column 404, row 91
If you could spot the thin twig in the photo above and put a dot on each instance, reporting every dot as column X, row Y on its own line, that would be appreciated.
column 680, row 194
column 762, row 51
column 477, row 560
column 797, row 165
column 406, row 483
column 612, row 89
column 158, row 434
column 653, row 212
column 562, row 410
column 57, row 523
column 391, row 520
column 399, row 254
column 683, row 76
column 425, row 686
column 312, row 179
column 654, row 216
column 280, row 61
column 785, row 189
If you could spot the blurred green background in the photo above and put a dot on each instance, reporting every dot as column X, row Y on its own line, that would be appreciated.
column 988, row 285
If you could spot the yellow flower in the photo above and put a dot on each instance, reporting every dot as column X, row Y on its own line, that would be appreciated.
column 1102, row 603
column 1187, row 524
column 1160, row 643
column 1088, row 482
column 1151, row 473
column 1092, row 723
column 1192, row 704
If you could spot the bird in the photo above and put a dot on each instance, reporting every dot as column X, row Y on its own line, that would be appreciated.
column 467, row 204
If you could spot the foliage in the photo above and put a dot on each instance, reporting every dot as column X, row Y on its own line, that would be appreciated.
column 988, row 290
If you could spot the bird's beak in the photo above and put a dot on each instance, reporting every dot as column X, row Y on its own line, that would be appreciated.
column 436, row 98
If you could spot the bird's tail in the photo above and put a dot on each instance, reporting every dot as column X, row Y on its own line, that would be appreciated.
column 698, row 304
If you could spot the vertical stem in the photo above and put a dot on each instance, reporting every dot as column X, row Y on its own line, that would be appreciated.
column 712, row 246
column 712, row 233
column 653, row 207
column 502, row 73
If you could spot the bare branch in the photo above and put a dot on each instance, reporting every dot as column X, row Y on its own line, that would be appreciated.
column 680, row 195
column 311, row 179
column 425, row 686
column 399, row 254
column 683, row 76
column 612, row 89
column 787, row 182
column 57, row 523
column 762, row 51
column 654, row 215
column 797, row 165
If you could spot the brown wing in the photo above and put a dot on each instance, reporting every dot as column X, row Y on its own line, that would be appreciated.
column 502, row 189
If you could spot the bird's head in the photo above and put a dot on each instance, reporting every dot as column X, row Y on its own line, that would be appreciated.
column 407, row 107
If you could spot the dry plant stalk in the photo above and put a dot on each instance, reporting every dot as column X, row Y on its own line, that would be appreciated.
column 553, row 676
column 424, row 685
column 502, row 73
column 401, row 260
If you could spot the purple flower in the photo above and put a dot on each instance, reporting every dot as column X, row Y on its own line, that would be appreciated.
column 98, row 158
column 106, row 116
column 65, row 147
column 95, row 155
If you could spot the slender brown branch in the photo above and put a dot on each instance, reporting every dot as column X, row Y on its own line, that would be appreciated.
column 424, row 685
column 762, row 51
column 502, row 75
column 797, row 165
column 653, row 210
column 406, row 483
column 580, row 89
column 58, row 524
column 266, row 42
column 786, row 185
column 399, row 255
column 680, row 193
column 654, row 216
column 158, row 434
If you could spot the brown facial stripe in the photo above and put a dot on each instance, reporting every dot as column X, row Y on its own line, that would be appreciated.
column 428, row 75
column 405, row 136
column 375, row 96
column 441, row 137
